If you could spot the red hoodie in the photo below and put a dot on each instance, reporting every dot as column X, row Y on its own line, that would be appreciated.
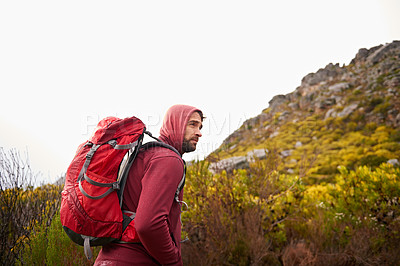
column 150, row 189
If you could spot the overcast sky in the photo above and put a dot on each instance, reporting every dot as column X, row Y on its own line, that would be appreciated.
column 66, row 64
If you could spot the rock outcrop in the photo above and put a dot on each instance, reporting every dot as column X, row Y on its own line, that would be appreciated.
column 237, row 162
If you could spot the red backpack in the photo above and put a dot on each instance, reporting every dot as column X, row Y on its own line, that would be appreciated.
column 92, row 197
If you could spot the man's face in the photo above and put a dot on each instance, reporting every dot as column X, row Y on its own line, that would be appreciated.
column 192, row 133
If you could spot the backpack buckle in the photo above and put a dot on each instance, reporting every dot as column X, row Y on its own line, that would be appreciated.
column 113, row 143
column 115, row 186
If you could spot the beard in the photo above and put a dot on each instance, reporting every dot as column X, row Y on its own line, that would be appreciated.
column 187, row 146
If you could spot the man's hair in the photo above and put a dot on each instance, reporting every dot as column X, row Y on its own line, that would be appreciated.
column 201, row 115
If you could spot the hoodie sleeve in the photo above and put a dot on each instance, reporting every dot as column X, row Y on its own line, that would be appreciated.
column 159, row 185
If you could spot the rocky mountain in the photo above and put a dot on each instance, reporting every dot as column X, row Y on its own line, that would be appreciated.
column 339, row 115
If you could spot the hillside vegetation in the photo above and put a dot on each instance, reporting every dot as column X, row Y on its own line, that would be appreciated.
column 339, row 116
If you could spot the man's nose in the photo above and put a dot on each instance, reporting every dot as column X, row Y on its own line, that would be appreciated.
column 198, row 133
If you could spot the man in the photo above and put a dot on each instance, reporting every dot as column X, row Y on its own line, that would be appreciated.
column 150, row 190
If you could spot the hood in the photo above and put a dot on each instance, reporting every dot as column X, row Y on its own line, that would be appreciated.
column 174, row 125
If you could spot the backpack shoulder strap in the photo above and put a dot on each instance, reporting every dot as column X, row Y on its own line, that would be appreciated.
column 152, row 144
column 125, row 173
column 159, row 143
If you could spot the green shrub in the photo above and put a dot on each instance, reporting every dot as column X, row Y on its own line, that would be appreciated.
column 372, row 160
column 35, row 253
column 370, row 195
column 238, row 217
column 49, row 245
column 395, row 135
column 356, row 216
column 382, row 108
column 61, row 250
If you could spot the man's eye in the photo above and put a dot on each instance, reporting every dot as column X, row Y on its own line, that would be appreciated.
column 195, row 124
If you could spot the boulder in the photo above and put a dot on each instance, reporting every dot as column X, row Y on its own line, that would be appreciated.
column 298, row 144
column 348, row 110
column 339, row 87
column 323, row 74
column 330, row 113
column 294, row 105
column 286, row 153
column 229, row 164
column 382, row 51
column 277, row 102
column 256, row 154
column 237, row 162
column 325, row 103
column 393, row 162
